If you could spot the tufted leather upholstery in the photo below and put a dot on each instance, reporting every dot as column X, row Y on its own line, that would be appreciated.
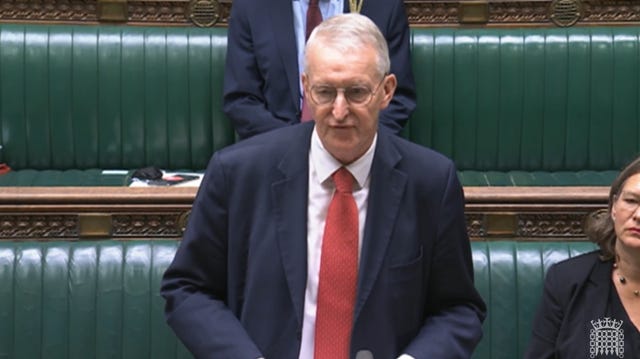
column 84, row 300
column 512, row 106
column 525, row 106
column 510, row 275
column 107, row 97
column 101, row 299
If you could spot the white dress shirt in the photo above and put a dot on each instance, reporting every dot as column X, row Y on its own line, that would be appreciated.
column 321, row 166
column 321, row 188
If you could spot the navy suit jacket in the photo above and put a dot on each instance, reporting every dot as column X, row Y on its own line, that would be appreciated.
column 262, row 79
column 576, row 292
column 236, row 286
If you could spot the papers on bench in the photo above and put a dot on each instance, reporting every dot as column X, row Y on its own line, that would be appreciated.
column 173, row 179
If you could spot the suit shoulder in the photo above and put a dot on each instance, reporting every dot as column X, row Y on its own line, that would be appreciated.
column 269, row 144
column 254, row 10
column 585, row 259
column 571, row 269
column 420, row 152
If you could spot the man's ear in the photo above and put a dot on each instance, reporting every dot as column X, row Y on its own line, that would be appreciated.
column 389, row 86
column 305, row 80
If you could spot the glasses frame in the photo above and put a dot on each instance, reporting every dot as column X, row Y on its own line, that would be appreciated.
column 343, row 89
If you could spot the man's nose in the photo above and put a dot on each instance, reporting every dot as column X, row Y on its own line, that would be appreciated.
column 340, row 106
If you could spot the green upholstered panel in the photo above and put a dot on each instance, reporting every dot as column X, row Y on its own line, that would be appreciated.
column 12, row 99
column 77, row 300
column 510, row 275
column 537, row 178
column 516, row 106
column 133, row 91
column 101, row 299
column 89, row 177
column 60, row 66
column 523, row 99
column 111, row 97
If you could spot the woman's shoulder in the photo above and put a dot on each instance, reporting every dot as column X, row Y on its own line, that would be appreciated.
column 574, row 269
column 565, row 278
column 587, row 258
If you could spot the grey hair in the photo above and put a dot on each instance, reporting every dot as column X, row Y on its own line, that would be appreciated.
column 347, row 33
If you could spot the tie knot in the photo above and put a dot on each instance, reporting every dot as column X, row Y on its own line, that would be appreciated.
column 343, row 180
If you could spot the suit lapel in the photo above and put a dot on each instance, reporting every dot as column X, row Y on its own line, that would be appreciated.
column 290, row 196
column 599, row 282
column 290, row 213
column 385, row 194
column 281, row 19
column 590, row 303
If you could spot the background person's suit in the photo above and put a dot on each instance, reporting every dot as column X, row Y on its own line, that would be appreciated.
column 262, row 80
column 246, row 248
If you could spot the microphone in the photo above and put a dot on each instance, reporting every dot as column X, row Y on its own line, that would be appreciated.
column 364, row 354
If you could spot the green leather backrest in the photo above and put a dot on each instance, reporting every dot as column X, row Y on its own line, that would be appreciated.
column 77, row 300
column 529, row 99
column 510, row 276
column 79, row 97
column 517, row 99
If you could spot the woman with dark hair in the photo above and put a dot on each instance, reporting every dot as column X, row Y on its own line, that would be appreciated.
column 590, row 307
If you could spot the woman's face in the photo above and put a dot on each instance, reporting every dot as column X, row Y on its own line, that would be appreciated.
column 625, row 214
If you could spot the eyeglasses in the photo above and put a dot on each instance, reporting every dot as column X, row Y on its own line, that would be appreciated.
column 355, row 95
column 628, row 202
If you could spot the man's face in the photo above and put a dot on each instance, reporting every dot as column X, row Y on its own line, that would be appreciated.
column 346, row 128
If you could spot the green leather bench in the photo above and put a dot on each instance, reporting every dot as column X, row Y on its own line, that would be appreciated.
column 101, row 299
column 529, row 106
column 511, row 106
column 76, row 100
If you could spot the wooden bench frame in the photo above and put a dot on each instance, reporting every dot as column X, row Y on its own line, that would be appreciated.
column 69, row 213
column 207, row 13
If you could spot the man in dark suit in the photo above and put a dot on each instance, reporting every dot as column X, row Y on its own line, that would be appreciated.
column 262, row 89
column 249, row 279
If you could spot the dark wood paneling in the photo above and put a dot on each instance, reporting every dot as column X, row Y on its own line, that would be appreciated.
column 69, row 213
column 548, row 13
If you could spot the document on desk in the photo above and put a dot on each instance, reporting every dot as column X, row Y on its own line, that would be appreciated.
column 172, row 179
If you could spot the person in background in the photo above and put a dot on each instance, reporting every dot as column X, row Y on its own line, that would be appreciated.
column 340, row 241
column 265, row 57
column 590, row 306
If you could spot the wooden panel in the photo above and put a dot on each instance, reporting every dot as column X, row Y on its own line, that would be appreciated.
column 531, row 213
column 549, row 13
column 69, row 213
column 49, row 213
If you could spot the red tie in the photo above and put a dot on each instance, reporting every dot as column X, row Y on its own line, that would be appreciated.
column 338, row 272
column 314, row 17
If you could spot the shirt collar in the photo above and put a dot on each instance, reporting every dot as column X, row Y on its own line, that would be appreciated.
column 325, row 164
